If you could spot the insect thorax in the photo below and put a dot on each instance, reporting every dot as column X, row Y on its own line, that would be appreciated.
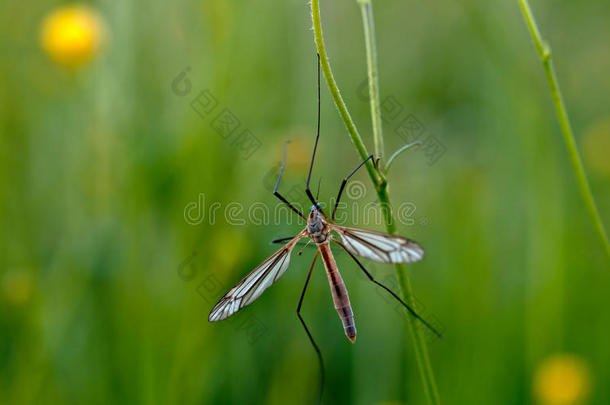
column 317, row 228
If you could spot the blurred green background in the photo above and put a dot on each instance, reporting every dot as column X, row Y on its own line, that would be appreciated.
column 105, row 287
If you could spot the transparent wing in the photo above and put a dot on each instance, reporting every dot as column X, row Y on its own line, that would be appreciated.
column 378, row 246
column 252, row 286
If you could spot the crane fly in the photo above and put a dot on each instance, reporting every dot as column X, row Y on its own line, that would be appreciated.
column 377, row 246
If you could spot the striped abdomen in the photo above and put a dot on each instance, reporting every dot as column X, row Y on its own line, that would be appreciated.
column 337, row 287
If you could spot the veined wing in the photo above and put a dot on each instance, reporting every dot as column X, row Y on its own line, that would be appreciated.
column 378, row 246
column 252, row 286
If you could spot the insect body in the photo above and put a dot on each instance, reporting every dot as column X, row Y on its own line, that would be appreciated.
column 373, row 245
column 340, row 296
column 319, row 231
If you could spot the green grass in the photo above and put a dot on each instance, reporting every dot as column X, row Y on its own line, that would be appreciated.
column 97, row 166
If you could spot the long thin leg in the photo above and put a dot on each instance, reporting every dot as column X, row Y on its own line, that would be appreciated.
column 315, row 346
column 343, row 183
column 411, row 310
column 278, row 195
column 315, row 147
column 283, row 240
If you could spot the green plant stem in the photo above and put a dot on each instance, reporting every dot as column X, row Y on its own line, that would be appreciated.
column 380, row 182
column 566, row 129
column 336, row 94
column 368, row 23
column 397, row 153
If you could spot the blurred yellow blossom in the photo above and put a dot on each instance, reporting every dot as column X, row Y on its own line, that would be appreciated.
column 299, row 149
column 16, row 287
column 562, row 379
column 72, row 35
column 230, row 247
column 596, row 147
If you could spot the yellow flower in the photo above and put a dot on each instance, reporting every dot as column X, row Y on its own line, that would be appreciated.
column 596, row 146
column 16, row 287
column 231, row 247
column 72, row 35
column 299, row 150
column 562, row 379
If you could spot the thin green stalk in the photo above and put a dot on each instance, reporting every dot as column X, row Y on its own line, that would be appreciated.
column 371, row 62
column 336, row 94
column 566, row 129
column 398, row 152
column 379, row 181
